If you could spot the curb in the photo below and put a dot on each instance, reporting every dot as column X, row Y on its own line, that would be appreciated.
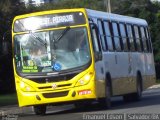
column 154, row 86
column 14, row 110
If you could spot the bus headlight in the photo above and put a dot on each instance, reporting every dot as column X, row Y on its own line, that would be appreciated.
column 85, row 79
column 25, row 87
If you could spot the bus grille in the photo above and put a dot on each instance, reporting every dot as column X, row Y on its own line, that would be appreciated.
column 55, row 94
column 48, row 87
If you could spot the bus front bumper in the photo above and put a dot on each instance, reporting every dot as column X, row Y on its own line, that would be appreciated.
column 56, row 96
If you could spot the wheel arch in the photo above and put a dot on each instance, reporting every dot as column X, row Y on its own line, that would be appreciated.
column 140, row 81
column 108, row 81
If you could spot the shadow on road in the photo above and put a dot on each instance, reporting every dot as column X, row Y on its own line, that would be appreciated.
column 117, row 104
column 150, row 98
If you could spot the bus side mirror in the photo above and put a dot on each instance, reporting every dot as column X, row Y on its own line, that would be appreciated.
column 5, row 46
column 98, row 56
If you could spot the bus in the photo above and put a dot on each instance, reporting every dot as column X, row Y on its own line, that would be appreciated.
column 78, row 56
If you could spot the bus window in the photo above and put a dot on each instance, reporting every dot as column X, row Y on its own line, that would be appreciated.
column 123, row 35
column 102, row 36
column 96, row 45
column 108, row 36
column 130, row 36
column 143, row 38
column 137, row 38
column 116, row 36
column 148, row 40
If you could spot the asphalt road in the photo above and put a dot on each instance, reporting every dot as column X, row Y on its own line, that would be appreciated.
column 150, row 105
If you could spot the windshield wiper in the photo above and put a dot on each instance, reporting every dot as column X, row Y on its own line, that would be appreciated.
column 62, row 34
column 39, row 39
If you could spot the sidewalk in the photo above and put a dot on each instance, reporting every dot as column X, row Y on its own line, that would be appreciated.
column 14, row 109
column 154, row 86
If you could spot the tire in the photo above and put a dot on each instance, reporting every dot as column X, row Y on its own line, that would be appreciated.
column 127, row 98
column 106, row 102
column 40, row 109
column 138, row 95
column 135, row 96
column 82, row 105
column 79, row 106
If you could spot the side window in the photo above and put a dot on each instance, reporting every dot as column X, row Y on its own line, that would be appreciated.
column 143, row 38
column 108, row 35
column 130, row 37
column 137, row 38
column 148, row 41
column 102, row 34
column 123, row 36
column 116, row 36
column 96, row 44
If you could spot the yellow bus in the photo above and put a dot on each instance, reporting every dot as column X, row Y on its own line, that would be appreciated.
column 78, row 56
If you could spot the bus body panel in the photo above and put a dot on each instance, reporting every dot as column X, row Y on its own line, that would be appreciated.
column 150, row 71
column 123, row 66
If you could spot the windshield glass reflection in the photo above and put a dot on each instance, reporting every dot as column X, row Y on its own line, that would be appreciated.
column 51, row 51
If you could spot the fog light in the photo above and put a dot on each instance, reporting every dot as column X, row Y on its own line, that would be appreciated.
column 38, row 98
column 73, row 94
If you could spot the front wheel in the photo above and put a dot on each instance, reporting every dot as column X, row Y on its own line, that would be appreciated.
column 106, row 102
column 40, row 109
column 82, row 105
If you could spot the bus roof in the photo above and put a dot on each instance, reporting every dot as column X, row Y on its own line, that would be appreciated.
column 92, row 14
column 115, row 17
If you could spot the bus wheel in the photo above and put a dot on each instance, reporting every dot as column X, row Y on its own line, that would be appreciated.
column 106, row 102
column 135, row 96
column 40, row 109
column 138, row 95
column 128, row 98
column 79, row 105
column 82, row 105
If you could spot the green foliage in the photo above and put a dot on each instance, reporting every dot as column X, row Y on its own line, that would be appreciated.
column 8, row 99
column 66, row 4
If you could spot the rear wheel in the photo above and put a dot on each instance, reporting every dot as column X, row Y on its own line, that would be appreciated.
column 40, row 109
column 135, row 96
column 138, row 95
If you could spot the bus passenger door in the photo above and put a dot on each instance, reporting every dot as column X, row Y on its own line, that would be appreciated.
column 100, row 86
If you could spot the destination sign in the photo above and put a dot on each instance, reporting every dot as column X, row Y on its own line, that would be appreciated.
column 49, row 21
column 58, row 19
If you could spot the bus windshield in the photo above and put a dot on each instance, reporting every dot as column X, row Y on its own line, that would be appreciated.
column 52, row 51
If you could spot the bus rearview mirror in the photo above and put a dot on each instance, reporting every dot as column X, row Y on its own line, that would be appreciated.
column 5, row 47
